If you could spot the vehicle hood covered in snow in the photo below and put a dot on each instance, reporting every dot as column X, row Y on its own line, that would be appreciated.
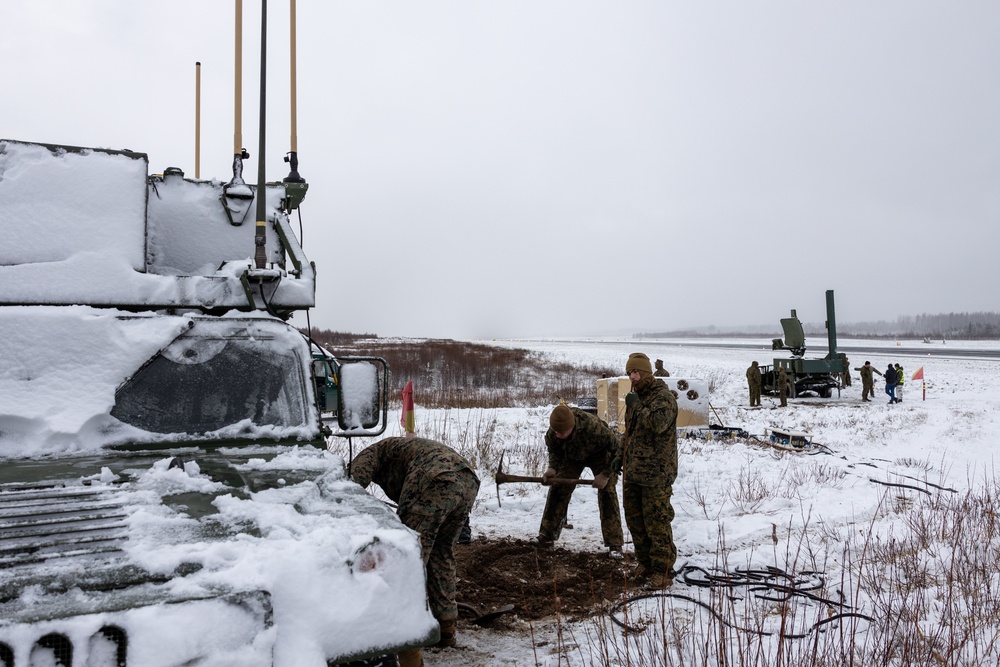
column 251, row 552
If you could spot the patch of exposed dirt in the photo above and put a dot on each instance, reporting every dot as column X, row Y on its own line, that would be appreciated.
column 539, row 583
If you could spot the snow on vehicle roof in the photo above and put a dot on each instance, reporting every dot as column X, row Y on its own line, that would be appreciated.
column 86, row 226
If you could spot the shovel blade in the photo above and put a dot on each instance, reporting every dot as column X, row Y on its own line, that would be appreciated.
column 493, row 615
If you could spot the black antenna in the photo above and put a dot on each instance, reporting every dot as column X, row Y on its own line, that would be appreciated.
column 292, row 158
column 260, row 254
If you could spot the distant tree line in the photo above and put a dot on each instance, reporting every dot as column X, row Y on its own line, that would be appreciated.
column 955, row 326
column 448, row 373
column 334, row 339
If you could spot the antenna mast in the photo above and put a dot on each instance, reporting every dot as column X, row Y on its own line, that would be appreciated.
column 260, row 233
column 293, row 155
column 197, row 120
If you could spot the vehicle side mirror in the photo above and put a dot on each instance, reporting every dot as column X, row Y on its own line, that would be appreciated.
column 362, row 402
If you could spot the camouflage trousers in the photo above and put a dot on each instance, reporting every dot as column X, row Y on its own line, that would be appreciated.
column 557, row 504
column 867, row 390
column 648, row 513
column 754, row 395
column 439, row 517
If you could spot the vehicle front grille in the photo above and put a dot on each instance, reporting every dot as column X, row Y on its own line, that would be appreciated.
column 108, row 647
column 53, row 649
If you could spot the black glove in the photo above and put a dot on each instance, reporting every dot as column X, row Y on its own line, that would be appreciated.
column 616, row 465
column 631, row 399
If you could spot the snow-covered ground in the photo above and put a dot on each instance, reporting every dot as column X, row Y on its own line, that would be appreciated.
column 769, row 507
column 739, row 503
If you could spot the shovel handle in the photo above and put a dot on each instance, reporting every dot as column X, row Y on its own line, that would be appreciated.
column 504, row 478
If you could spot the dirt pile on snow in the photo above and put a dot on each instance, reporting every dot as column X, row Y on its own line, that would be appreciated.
column 540, row 583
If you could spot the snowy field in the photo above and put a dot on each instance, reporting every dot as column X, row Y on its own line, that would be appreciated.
column 745, row 504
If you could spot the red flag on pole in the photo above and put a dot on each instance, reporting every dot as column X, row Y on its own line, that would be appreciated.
column 919, row 375
column 408, row 420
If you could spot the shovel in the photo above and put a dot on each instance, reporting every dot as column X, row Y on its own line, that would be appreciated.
column 503, row 478
column 483, row 619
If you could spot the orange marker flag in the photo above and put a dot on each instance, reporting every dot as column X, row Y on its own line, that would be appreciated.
column 919, row 375
column 408, row 420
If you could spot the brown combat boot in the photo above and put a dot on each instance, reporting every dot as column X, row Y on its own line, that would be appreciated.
column 411, row 658
column 447, row 635
column 658, row 582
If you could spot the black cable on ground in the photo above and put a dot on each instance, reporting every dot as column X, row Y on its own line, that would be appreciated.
column 924, row 481
column 901, row 486
column 756, row 581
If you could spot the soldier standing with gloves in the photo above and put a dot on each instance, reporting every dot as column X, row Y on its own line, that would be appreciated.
column 753, row 380
column 649, row 464
column 577, row 440
column 867, row 381
column 434, row 488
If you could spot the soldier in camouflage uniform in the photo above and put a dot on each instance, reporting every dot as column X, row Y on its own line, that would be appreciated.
column 867, row 381
column 845, row 375
column 434, row 489
column 782, row 386
column 753, row 380
column 649, row 461
column 577, row 440
column 660, row 371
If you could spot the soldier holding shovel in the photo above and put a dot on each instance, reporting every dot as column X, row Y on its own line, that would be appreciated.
column 577, row 440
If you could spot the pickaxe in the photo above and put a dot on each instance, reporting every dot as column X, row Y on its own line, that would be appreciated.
column 503, row 478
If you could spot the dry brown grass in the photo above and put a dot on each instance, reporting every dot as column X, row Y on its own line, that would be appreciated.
column 456, row 374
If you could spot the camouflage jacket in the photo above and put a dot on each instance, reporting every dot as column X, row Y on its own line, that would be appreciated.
column 406, row 467
column 650, row 448
column 592, row 442
column 866, row 374
column 753, row 376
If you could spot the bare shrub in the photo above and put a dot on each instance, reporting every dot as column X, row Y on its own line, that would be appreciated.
column 921, row 591
column 749, row 490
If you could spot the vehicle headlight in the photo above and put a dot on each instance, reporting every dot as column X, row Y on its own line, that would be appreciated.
column 370, row 558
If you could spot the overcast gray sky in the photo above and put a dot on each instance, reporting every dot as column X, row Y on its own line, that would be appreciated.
column 523, row 168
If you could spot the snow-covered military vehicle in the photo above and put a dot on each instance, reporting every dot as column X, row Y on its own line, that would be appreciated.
column 166, row 495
